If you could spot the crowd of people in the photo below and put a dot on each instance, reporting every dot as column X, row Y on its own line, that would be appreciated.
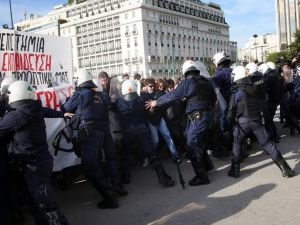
column 116, row 119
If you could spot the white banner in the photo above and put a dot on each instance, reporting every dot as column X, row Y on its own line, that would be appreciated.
column 46, row 63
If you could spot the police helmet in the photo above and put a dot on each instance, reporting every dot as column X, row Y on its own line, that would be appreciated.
column 202, row 69
column 220, row 58
column 85, row 79
column 263, row 68
column 20, row 90
column 188, row 66
column 238, row 73
column 271, row 65
column 8, row 80
column 129, row 90
column 251, row 68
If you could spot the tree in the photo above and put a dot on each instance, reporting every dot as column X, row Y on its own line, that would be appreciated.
column 70, row 2
column 277, row 56
column 294, row 48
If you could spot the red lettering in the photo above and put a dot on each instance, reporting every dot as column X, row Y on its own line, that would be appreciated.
column 26, row 62
column 36, row 61
column 55, row 103
column 49, row 97
column 30, row 61
column 19, row 61
column 4, row 68
column 42, row 63
column 48, row 63
column 39, row 94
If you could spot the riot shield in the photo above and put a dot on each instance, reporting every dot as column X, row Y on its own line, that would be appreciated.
column 115, row 88
column 115, row 127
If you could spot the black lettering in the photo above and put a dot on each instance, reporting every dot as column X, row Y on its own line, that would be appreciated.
column 17, row 40
column 23, row 45
column 41, row 45
column 31, row 43
column 2, row 74
column 1, row 42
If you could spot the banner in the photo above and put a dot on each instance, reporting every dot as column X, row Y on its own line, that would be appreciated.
column 46, row 63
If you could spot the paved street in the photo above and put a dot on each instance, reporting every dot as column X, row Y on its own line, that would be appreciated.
column 260, row 196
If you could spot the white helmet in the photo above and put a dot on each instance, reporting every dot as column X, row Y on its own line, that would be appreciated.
column 189, row 65
column 238, row 73
column 85, row 79
column 271, row 65
column 251, row 68
column 8, row 80
column 99, row 86
column 129, row 86
column 263, row 68
column 203, row 71
column 20, row 90
column 220, row 57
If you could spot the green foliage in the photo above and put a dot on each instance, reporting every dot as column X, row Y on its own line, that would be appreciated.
column 294, row 48
column 70, row 2
column 287, row 52
column 275, row 56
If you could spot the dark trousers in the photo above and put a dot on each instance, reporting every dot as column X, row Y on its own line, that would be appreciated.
column 37, row 176
column 196, row 131
column 5, row 203
column 269, row 114
column 138, row 136
column 91, row 159
column 110, row 154
column 243, row 128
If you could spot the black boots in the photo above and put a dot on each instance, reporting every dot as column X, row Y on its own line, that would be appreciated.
column 208, row 164
column 201, row 177
column 163, row 178
column 234, row 169
column 284, row 167
column 56, row 218
column 125, row 177
column 117, row 187
column 109, row 200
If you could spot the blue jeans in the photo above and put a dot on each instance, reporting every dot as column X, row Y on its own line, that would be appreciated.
column 164, row 131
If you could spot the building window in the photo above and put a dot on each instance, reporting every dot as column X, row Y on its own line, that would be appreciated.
column 128, row 42
column 135, row 42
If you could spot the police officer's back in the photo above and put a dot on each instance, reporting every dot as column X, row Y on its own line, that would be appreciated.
column 28, row 145
column 245, row 111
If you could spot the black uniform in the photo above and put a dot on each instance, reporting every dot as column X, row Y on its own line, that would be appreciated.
column 29, row 147
column 245, row 109
column 201, row 98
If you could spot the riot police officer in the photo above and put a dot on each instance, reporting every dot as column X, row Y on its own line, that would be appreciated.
column 132, row 113
column 28, row 146
column 6, row 205
column 201, row 98
column 222, row 81
column 95, row 136
column 245, row 111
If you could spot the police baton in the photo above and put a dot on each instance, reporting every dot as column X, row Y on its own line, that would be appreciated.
column 182, row 182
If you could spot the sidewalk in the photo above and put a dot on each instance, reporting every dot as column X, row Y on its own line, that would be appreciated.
column 261, row 196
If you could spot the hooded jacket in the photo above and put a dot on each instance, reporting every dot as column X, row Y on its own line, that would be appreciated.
column 25, row 126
